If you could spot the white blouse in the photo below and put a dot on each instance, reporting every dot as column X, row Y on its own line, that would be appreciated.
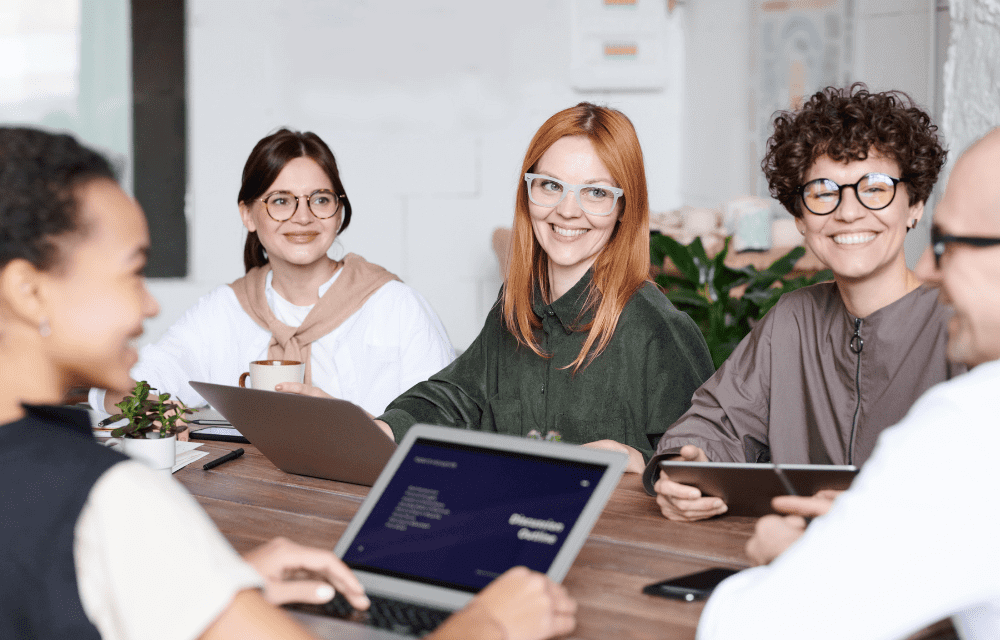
column 170, row 586
column 392, row 342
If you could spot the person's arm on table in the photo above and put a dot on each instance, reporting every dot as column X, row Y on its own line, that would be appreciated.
column 673, row 361
column 455, row 396
column 727, row 422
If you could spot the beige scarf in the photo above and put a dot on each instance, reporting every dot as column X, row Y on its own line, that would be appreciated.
column 345, row 296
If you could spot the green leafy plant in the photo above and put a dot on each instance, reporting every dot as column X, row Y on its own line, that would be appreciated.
column 709, row 291
column 147, row 413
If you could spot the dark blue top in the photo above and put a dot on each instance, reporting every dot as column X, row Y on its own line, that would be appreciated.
column 49, row 462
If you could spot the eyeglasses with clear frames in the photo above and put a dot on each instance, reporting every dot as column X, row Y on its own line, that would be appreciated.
column 595, row 199
column 940, row 242
column 281, row 205
column 875, row 191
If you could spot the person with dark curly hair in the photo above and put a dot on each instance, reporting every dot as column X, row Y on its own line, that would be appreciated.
column 73, row 297
column 927, row 563
column 831, row 365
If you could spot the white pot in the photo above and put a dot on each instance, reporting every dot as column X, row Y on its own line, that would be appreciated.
column 155, row 452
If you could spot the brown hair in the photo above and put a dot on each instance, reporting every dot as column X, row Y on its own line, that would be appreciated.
column 847, row 125
column 266, row 161
column 622, row 266
column 41, row 174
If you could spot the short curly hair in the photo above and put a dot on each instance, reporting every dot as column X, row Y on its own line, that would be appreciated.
column 847, row 125
column 39, row 175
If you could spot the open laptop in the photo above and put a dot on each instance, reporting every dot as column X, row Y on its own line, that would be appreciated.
column 309, row 436
column 454, row 509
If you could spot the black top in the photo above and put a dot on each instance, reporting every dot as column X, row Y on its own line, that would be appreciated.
column 49, row 462
column 640, row 384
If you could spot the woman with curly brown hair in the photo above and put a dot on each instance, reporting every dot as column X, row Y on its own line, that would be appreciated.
column 832, row 365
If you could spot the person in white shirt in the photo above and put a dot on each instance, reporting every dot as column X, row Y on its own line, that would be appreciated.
column 365, row 336
column 107, row 563
column 914, row 540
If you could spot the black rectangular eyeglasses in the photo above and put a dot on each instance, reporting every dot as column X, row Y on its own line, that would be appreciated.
column 940, row 242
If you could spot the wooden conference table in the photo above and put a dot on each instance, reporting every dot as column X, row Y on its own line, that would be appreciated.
column 252, row 501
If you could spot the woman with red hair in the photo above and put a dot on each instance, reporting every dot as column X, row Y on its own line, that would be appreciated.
column 580, row 342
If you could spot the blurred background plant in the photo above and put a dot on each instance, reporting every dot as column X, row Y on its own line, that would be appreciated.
column 724, row 302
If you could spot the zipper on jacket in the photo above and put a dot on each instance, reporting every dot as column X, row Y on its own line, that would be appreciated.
column 857, row 345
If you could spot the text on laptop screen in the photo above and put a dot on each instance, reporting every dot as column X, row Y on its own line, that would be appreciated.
column 458, row 516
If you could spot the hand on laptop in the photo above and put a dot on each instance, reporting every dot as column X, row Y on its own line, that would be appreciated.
column 519, row 605
column 684, row 503
column 301, row 389
column 636, row 463
column 294, row 573
column 775, row 533
column 309, row 390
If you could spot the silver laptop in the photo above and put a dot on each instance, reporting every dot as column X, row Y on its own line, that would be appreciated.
column 305, row 435
column 453, row 509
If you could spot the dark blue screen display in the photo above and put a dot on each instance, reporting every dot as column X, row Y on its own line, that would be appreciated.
column 459, row 516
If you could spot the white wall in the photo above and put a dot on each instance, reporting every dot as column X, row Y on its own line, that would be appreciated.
column 972, row 76
column 428, row 107
column 894, row 48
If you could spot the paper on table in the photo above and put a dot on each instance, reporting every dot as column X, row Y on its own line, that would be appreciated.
column 184, row 454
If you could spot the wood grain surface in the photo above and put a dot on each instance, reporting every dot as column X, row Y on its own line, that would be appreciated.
column 631, row 545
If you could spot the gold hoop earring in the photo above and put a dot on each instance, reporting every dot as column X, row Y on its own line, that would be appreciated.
column 44, row 329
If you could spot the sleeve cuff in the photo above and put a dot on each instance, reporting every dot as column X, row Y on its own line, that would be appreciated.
column 651, row 473
column 399, row 421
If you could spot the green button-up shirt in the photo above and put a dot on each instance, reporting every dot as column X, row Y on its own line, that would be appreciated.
column 640, row 384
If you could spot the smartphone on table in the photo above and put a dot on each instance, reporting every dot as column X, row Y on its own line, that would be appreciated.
column 694, row 586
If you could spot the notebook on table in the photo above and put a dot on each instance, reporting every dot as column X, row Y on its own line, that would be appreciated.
column 308, row 436
column 453, row 509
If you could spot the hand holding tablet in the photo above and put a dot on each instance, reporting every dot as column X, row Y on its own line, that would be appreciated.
column 745, row 489
column 684, row 503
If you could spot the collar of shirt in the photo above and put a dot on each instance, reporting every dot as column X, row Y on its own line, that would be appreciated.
column 74, row 420
column 568, row 310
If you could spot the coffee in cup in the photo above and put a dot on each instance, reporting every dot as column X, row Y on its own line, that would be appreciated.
column 266, row 374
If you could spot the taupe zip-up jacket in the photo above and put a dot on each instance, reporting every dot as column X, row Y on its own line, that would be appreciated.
column 813, row 384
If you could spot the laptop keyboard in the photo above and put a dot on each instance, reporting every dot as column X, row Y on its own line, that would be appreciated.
column 393, row 615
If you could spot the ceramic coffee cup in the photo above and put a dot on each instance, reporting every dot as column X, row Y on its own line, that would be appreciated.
column 265, row 374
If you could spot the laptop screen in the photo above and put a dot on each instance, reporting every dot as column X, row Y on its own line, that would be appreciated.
column 456, row 515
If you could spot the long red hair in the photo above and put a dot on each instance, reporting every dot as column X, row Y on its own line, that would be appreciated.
column 621, row 268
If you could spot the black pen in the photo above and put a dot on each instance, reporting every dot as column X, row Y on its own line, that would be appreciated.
column 788, row 486
column 232, row 455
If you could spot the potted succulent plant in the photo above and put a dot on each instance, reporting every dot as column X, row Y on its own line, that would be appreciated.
column 153, row 425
